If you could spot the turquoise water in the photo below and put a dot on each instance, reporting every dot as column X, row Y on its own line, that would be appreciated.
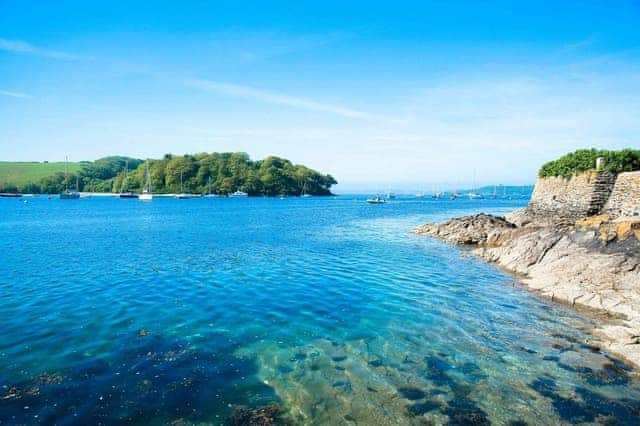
column 119, row 311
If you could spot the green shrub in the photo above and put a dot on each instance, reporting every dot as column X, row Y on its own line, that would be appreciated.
column 583, row 160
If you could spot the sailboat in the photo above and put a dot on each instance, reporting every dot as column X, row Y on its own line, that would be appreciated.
column 146, row 191
column 125, row 184
column 69, row 194
column 304, row 191
column 390, row 194
column 182, row 195
column 210, row 194
column 473, row 195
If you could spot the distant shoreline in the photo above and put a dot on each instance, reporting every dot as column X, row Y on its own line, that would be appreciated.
column 172, row 195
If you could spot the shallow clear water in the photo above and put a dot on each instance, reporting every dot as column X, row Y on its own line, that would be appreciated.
column 123, row 311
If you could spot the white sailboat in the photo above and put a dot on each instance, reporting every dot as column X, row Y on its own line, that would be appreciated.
column 390, row 194
column 182, row 195
column 147, row 195
column 304, row 191
column 473, row 195
column 210, row 194
column 69, row 194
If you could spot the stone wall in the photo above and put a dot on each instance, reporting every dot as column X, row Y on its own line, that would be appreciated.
column 625, row 197
column 570, row 198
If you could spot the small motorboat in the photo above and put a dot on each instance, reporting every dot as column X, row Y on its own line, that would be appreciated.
column 239, row 194
column 183, row 196
column 376, row 200
column 128, row 194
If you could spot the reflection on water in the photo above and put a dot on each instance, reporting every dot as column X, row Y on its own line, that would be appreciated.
column 300, row 311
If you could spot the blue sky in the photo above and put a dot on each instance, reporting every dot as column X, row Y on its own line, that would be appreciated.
column 407, row 95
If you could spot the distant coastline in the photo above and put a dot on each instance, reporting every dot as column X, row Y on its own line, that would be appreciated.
column 204, row 173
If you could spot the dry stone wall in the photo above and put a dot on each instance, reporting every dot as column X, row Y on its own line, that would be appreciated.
column 566, row 198
column 625, row 197
column 587, row 194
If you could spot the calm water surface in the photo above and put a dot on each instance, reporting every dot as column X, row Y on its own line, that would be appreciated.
column 183, row 310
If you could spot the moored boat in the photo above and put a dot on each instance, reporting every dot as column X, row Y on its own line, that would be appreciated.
column 183, row 195
column 147, row 195
column 68, row 194
column 376, row 200
column 125, row 192
column 210, row 194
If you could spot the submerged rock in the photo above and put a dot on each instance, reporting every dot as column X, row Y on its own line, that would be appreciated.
column 262, row 416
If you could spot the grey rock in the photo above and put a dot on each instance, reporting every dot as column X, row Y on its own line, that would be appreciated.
column 580, row 267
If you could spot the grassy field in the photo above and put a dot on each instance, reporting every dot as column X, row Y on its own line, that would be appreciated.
column 19, row 173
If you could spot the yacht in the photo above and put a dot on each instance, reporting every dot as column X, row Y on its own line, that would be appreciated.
column 304, row 191
column 182, row 195
column 147, row 195
column 210, row 194
column 473, row 195
column 239, row 193
column 68, row 194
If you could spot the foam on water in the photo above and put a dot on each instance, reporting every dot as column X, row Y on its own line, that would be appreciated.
column 115, row 310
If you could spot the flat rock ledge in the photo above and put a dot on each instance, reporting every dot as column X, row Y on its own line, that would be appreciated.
column 592, row 263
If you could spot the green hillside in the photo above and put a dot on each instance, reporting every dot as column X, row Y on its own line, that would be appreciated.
column 17, row 174
column 219, row 173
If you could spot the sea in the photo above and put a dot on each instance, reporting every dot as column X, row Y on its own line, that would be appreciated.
column 313, row 311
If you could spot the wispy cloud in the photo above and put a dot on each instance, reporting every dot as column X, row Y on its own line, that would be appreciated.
column 252, row 93
column 15, row 94
column 25, row 48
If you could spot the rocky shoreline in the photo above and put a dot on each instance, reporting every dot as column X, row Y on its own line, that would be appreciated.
column 593, row 262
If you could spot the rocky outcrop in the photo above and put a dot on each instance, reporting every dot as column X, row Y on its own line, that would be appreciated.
column 482, row 229
column 593, row 262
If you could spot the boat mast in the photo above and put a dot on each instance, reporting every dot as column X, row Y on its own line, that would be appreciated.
column 473, row 183
column 148, row 178
column 66, row 174
column 124, row 187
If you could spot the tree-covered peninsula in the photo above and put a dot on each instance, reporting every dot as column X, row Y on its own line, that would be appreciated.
column 218, row 173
